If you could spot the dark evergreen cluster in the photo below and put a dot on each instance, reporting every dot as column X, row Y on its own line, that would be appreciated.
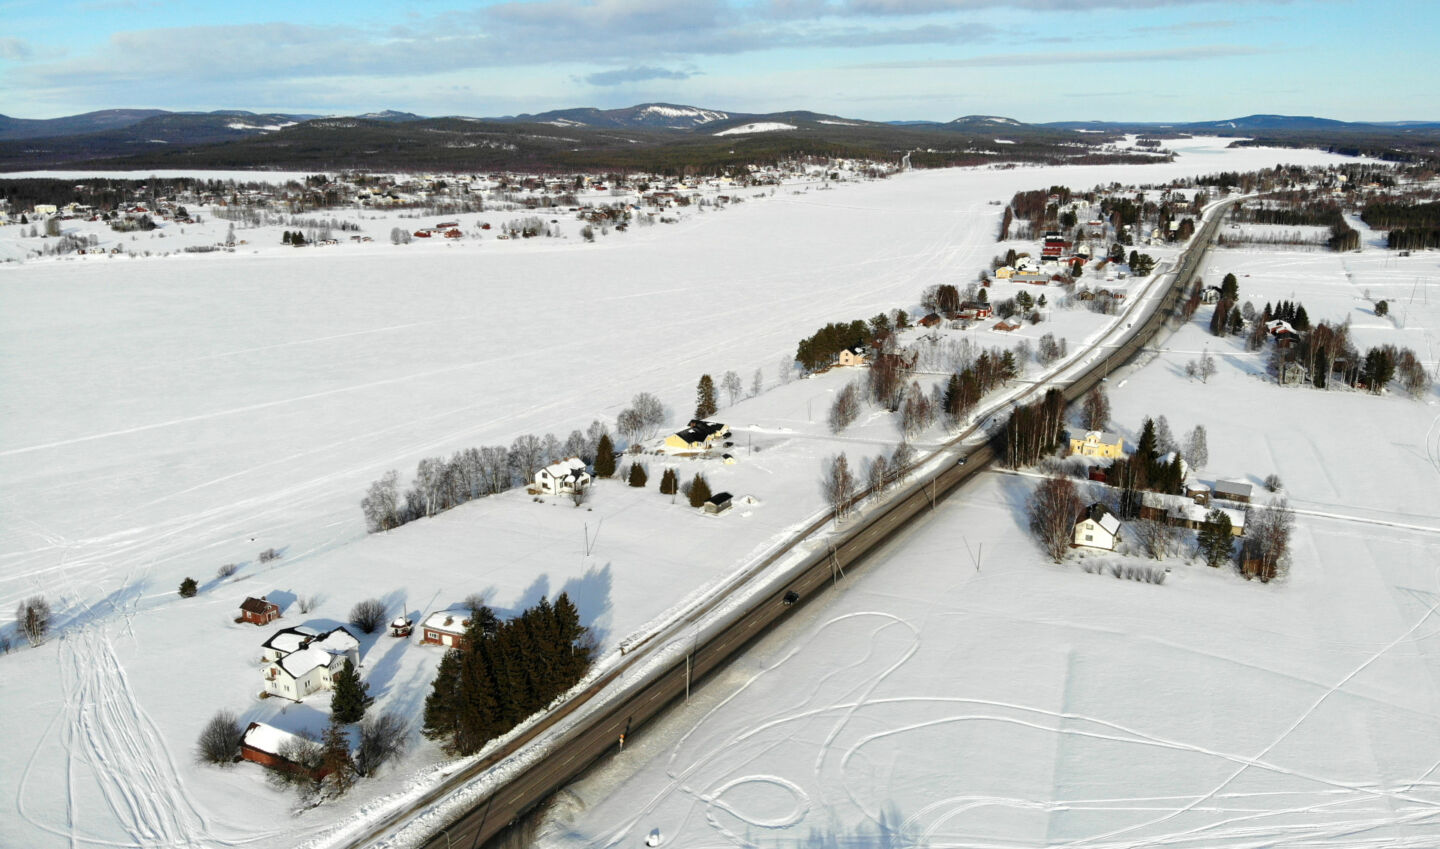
column 504, row 672
column 1301, row 214
column 1144, row 470
column 1411, row 226
column 1384, row 215
column 1034, row 430
column 1291, row 311
column 821, row 349
column 965, row 388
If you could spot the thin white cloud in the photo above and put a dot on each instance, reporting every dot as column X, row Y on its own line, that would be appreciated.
column 622, row 76
column 1178, row 54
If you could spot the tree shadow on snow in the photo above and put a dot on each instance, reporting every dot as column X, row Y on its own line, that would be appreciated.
column 590, row 593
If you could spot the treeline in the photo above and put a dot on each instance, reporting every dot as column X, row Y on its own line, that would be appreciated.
column 1033, row 430
column 442, row 483
column 1035, row 206
column 503, row 672
column 106, row 194
column 1146, row 470
column 1412, row 238
column 1383, row 215
column 1302, row 215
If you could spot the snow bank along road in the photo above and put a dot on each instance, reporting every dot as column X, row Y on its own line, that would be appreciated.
column 686, row 657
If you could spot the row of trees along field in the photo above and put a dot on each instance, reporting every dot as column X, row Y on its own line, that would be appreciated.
column 504, row 671
column 1411, row 226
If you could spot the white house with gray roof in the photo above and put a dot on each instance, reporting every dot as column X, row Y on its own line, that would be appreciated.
column 300, row 661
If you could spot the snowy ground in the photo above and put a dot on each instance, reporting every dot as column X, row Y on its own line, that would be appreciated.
column 165, row 416
column 1019, row 703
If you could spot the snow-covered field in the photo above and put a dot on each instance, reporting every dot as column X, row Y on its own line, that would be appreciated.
column 1018, row 703
column 164, row 416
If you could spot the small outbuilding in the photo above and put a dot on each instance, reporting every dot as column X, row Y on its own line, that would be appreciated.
column 445, row 628
column 1233, row 491
column 259, row 611
column 264, row 744
column 401, row 627
column 718, row 503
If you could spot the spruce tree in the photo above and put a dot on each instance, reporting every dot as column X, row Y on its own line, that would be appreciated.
column 1237, row 321
column 336, row 759
column 705, row 405
column 604, row 457
column 351, row 696
column 637, row 476
column 188, row 588
column 669, row 482
column 699, row 491
column 1215, row 538
column 1146, row 453
column 1229, row 288
column 1302, row 321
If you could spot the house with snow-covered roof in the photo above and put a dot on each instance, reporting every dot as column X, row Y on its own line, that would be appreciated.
column 268, row 746
column 445, row 628
column 300, row 661
column 699, row 436
column 852, row 357
column 562, row 478
column 1096, row 527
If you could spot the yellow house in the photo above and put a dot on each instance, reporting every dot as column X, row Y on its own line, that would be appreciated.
column 699, row 436
column 852, row 357
column 1004, row 272
column 1098, row 443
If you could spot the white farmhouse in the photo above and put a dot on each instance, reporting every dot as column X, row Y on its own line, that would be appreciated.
column 1097, row 527
column 562, row 478
column 301, row 661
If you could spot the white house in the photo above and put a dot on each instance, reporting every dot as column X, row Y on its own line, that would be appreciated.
column 300, row 661
column 562, row 478
column 1097, row 527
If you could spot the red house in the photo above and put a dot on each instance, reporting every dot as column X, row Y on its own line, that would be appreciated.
column 259, row 611
column 262, row 744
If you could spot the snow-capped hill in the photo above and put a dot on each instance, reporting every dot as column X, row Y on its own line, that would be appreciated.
column 757, row 127
column 683, row 115
column 984, row 121
column 390, row 115
column 645, row 116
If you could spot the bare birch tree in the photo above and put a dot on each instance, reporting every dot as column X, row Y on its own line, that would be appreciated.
column 837, row 484
column 1053, row 508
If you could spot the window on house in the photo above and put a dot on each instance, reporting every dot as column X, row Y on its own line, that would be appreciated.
column 1089, row 538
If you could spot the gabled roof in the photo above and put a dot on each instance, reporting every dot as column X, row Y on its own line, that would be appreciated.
column 699, row 431
column 268, row 738
column 571, row 467
column 289, row 639
column 1224, row 488
column 1100, row 515
column 297, row 663
column 719, row 498
column 449, row 621
column 257, row 605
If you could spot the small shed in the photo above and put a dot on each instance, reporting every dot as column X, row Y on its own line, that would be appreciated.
column 263, row 744
column 259, row 611
column 401, row 627
column 718, row 503
column 445, row 628
column 1233, row 491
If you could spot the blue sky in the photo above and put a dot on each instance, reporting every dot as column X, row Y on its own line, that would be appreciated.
column 1035, row 60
